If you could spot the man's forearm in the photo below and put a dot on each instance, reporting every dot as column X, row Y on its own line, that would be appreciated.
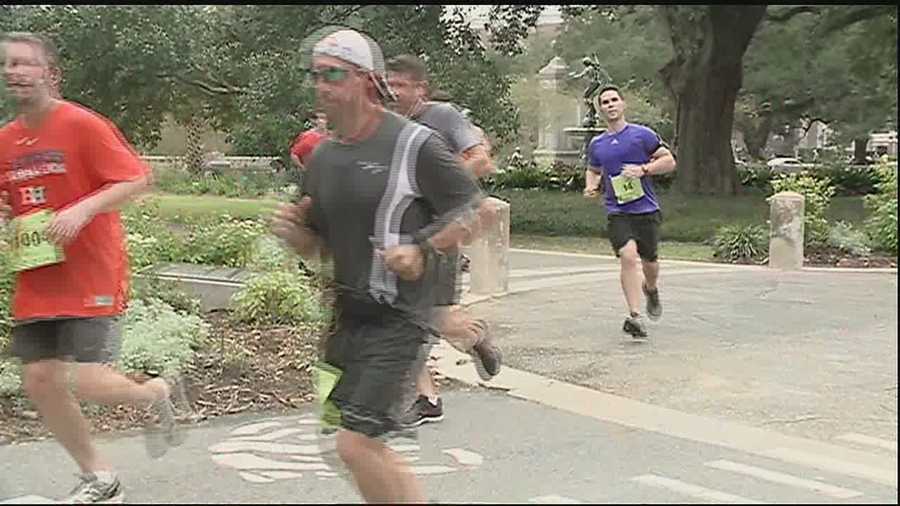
column 477, row 162
column 308, row 244
column 661, row 165
column 591, row 179
column 113, row 196
column 461, row 230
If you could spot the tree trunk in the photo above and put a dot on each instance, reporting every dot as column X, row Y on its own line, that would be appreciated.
column 704, row 78
column 194, row 154
column 756, row 137
column 859, row 150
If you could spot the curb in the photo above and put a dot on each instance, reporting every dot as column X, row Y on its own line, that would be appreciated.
column 891, row 270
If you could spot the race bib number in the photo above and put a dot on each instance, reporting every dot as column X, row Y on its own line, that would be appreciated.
column 326, row 377
column 31, row 247
column 627, row 189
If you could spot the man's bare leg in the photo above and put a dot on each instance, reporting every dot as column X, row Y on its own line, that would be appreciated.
column 380, row 474
column 631, row 277
column 651, row 274
column 48, row 386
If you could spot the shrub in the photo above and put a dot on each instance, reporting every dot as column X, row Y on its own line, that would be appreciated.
column 844, row 237
column 149, row 240
column 279, row 298
column 881, row 225
column 248, row 182
column 818, row 193
column 269, row 254
column 229, row 243
column 157, row 339
column 755, row 175
column 737, row 243
column 10, row 377
column 849, row 179
column 151, row 288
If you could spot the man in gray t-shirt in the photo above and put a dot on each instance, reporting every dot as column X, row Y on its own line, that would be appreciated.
column 408, row 79
column 385, row 198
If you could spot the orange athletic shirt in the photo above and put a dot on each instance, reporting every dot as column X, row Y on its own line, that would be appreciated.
column 75, row 153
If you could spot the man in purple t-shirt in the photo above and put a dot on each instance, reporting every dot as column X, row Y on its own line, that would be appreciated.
column 623, row 158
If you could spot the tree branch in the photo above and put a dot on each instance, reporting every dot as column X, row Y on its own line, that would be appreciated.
column 209, row 89
column 784, row 15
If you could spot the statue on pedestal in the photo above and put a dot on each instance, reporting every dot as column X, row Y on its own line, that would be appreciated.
column 597, row 78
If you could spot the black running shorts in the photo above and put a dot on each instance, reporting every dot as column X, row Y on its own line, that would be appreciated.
column 643, row 228
column 379, row 357
column 96, row 340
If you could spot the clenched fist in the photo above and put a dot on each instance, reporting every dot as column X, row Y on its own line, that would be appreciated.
column 406, row 260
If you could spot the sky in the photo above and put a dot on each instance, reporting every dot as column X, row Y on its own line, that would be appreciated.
column 479, row 12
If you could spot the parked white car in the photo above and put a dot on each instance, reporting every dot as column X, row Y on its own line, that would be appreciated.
column 788, row 165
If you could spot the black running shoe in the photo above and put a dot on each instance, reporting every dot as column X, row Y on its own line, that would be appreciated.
column 654, row 306
column 487, row 356
column 423, row 411
column 634, row 325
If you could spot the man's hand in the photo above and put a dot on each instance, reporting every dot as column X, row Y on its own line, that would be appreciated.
column 590, row 193
column 407, row 260
column 5, row 208
column 289, row 224
column 633, row 171
column 68, row 223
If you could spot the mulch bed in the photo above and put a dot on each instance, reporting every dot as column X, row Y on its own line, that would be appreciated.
column 242, row 369
column 838, row 258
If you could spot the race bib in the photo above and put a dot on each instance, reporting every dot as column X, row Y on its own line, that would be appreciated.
column 31, row 247
column 626, row 189
column 326, row 377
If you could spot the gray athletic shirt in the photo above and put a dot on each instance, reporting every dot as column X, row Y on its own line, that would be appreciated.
column 456, row 130
column 399, row 185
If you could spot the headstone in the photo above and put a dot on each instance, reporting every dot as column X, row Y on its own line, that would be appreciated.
column 786, row 231
column 489, row 254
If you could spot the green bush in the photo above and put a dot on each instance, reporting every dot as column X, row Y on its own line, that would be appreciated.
column 149, row 239
column 818, row 193
column 249, row 182
column 10, row 377
column 157, row 339
column 280, row 298
column 229, row 243
column 269, row 254
column 531, row 176
column 844, row 237
column 151, row 288
column 755, row 175
column 849, row 179
column 881, row 225
column 736, row 243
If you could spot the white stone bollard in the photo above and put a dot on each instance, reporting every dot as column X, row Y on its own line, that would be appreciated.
column 489, row 254
column 786, row 230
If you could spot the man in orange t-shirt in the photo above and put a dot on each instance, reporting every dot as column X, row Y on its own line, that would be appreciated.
column 307, row 141
column 64, row 172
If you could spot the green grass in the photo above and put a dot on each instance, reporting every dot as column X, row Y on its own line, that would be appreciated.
column 686, row 219
column 181, row 208
column 670, row 250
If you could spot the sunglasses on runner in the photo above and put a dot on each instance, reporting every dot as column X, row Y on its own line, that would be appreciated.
column 329, row 74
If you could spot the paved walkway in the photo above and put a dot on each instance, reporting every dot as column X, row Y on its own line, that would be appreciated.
column 755, row 386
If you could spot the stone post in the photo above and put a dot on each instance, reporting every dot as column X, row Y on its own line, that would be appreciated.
column 786, row 231
column 489, row 255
